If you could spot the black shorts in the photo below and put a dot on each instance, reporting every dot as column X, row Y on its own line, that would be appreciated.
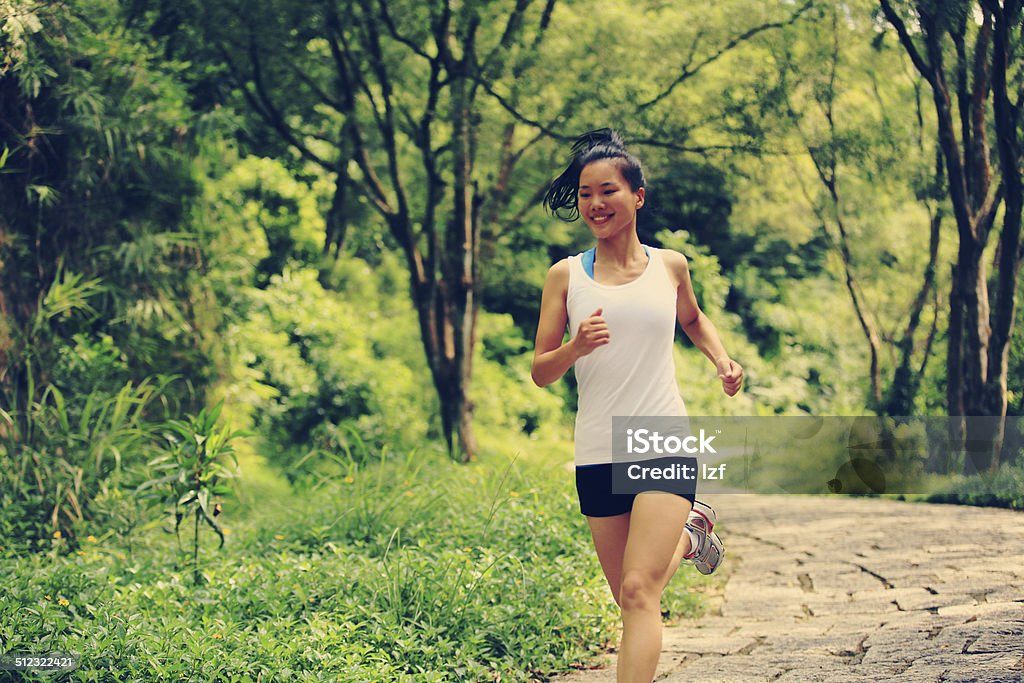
column 594, row 487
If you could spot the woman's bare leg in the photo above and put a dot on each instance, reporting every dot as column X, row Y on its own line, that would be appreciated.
column 610, row 534
column 653, row 547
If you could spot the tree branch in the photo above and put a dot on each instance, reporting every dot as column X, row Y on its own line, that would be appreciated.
column 362, row 156
column 746, row 35
column 354, row 73
column 908, row 43
column 393, row 30
column 387, row 126
column 262, row 105
column 542, row 27
column 978, row 150
column 512, row 27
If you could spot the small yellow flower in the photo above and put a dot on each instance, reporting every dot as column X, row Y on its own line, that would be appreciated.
column 48, row 597
column 217, row 635
column 90, row 538
column 279, row 537
column 80, row 552
column 467, row 549
column 410, row 493
column 349, row 479
column 226, row 531
column 63, row 602
column 514, row 494
column 56, row 534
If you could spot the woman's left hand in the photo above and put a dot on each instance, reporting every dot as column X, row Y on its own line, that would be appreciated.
column 731, row 374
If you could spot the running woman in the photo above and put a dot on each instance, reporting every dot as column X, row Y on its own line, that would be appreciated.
column 621, row 301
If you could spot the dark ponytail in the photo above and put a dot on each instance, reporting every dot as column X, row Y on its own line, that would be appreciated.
column 604, row 143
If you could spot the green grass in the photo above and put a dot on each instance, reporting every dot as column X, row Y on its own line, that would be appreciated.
column 1002, row 488
column 416, row 569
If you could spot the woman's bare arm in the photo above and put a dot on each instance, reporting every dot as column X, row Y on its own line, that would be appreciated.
column 699, row 328
column 552, row 358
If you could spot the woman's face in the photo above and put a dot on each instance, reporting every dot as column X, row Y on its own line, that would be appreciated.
column 606, row 201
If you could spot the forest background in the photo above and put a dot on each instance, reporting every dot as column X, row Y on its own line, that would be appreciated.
column 300, row 241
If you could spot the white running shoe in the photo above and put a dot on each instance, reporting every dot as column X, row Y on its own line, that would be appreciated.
column 708, row 554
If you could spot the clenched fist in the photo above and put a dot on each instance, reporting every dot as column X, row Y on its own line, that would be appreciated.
column 593, row 332
column 731, row 374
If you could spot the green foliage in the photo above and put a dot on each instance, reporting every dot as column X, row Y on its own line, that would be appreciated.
column 1002, row 488
column 90, row 363
column 319, row 356
column 194, row 471
column 506, row 403
column 68, row 442
column 59, row 458
column 709, row 285
column 258, row 220
column 313, row 362
column 410, row 569
column 97, row 180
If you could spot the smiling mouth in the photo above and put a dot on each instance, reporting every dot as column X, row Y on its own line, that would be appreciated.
column 598, row 220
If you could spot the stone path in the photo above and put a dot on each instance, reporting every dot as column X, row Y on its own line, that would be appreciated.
column 856, row 589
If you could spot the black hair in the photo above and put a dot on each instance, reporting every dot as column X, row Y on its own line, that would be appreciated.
column 604, row 143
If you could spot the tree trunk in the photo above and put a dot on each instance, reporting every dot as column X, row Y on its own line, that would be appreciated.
column 337, row 217
column 459, row 268
column 954, row 362
column 1008, row 143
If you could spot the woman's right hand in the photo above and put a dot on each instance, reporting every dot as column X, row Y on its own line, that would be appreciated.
column 592, row 332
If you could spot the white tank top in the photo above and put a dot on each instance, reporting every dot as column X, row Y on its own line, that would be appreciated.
column 634, row 373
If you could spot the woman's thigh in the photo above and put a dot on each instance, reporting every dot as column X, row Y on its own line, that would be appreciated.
column 656, row 525
column 610, row 534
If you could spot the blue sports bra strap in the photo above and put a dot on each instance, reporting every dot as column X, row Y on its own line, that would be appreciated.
column 589, row 255
column 588, row 261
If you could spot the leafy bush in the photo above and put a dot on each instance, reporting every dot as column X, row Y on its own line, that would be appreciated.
column 59, row 458
column 507, row 405
column 403, row 569
column 1002, row 488
column 311, row 375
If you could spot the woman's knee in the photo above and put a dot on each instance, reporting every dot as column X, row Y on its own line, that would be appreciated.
column 640, row 590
